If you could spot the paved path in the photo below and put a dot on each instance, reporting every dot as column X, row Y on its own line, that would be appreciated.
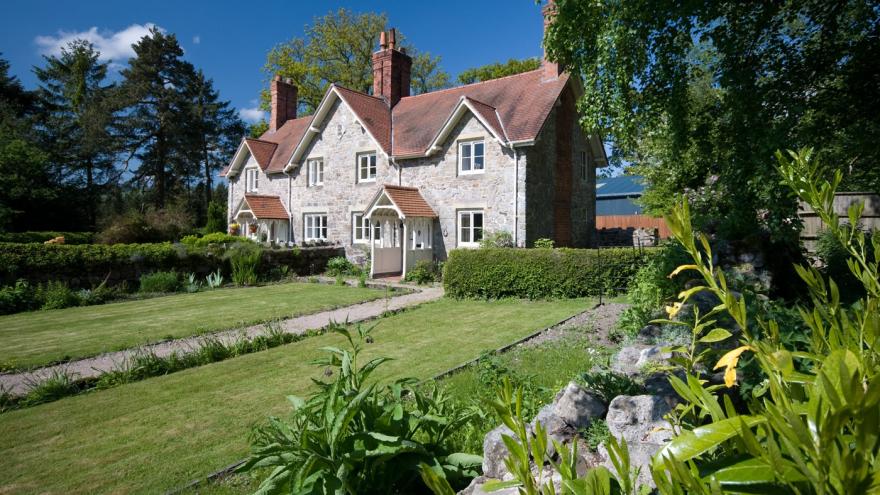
column 20, row 383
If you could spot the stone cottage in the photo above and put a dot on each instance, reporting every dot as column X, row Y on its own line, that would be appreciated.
column 402, row 178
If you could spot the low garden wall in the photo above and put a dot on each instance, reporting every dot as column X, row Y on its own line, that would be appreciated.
column 86, row 265
column 540, row 273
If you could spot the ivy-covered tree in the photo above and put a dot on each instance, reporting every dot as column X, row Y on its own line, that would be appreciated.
column 700, row 94
column 77, row 119
column 498, row 69
column 338, row 48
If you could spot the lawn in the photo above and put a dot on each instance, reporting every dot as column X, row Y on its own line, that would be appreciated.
column 39, row 337
column 154, row 435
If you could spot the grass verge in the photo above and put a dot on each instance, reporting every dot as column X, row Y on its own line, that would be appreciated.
column 159, row 433
column 41, row 337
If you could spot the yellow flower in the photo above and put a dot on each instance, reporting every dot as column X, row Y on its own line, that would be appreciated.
column 730, row 361
column 673, row 310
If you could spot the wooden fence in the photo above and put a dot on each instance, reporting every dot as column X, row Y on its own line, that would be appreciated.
column 626, row 222
column 813, row 225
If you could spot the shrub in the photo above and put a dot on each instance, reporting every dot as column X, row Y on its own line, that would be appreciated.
column 651, row 287
column 834, row 255
column 501, row 239
column 41, row 237
column 17, row 298
column 169, row 224
column 244, row 260
column 216, row 218
column 340, row 265
column 57, row 295
column 539, row 273
column 212, row 238
column 159, row 282
column 214, row 280
column 544, row 243
column 424, row 272
column 608, row 384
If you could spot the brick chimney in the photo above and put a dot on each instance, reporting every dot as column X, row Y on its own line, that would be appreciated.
column 283, row 102
column 391, row 69
column 551, row 69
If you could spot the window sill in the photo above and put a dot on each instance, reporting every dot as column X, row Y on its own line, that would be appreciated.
column 366, row 181
column 471, row 173
column 469, row 245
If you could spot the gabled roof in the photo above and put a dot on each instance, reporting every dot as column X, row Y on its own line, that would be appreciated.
column 283, row 139
column 623, row 186
column 266, row 207
column 408, row 201
column 262, row 151
column 513, row 108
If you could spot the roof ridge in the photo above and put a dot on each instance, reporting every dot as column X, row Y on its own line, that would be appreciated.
column 261, row 195
column 395, row 186
column 359, row 92
column 260, row 141
column 466, row 97
column 519, row 74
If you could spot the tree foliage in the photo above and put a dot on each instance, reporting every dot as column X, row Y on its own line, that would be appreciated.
column 697, row 91
column 498, row 69
column 338, row 48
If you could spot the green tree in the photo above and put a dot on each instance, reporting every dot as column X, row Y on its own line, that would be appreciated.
column 700, row 94
column 338, row 48
column 77, row 119
column 218, row 130
column 216, row 217
column 498, row 69
column 158, row 125
column 257, row 129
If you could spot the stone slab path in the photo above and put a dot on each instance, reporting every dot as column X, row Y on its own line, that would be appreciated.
column 21, row 383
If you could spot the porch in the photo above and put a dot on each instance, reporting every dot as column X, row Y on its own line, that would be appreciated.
column 406, row 228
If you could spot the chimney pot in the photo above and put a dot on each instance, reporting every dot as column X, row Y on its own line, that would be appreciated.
column 391, row 69
column 382, row 43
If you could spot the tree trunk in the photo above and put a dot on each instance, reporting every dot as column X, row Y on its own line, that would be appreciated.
column 90, row 193
column 208, row 185
column 160, row 170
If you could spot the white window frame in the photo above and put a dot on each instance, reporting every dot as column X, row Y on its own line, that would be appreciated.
column 470, row 146
column 361, row 225
column 315, row 226
column 315, row 171
column 251, row 179
column 460, row 228
column 369, row 162
column 427, row 229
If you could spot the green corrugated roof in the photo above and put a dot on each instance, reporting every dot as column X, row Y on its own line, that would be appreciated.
column 623, row 186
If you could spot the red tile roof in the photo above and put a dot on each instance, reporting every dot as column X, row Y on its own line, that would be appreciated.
column 410, row 201
column 514, row 106
column 262, row 151
column 266, row 207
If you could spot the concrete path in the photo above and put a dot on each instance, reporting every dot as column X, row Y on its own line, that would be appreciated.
column 21, row 383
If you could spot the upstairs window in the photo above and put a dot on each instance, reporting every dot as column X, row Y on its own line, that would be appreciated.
column 366, row 167
column 316, row 172
column 361, row 230
column 470, row 228
column 252, row 180
column 471, row 158
column 315, row 227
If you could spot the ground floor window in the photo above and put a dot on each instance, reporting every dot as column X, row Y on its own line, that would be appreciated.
column 315, row 227
column 361, row 230
column 470, row 228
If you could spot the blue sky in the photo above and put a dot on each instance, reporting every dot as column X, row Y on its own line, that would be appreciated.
column 229, row 40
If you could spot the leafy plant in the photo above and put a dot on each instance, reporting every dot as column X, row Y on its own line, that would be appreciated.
column 362, row 279
column 424, row 272
column 244, row 260
column 55, row 386
column 814, row 429
column 544, row 243
column 57, row 295
column 18, row 297
column 160, row 282
column 608, row 384
column 340, row 280
column 214, row 280
column 193, row 284
column 339, row 265
column 354, row 435
column 597, row 433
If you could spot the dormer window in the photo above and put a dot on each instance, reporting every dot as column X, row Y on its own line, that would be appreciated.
column 366, row 167
column 252, row 180
column 471, row 159
column 316, row 172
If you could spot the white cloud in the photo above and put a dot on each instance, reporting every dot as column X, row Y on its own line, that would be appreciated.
column 197, row 39
column 114, row 46
column 252, row 115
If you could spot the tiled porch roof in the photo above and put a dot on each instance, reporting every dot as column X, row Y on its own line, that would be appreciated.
column 409, row 201
column 266, row 207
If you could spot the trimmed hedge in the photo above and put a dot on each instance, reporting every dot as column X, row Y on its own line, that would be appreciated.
column 539, row 273
column 41, row 237
column 86, row 265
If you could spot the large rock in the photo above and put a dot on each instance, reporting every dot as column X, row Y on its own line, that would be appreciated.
column 631, row 359
column 639, row 420
column 494, row 452
column 573, row 409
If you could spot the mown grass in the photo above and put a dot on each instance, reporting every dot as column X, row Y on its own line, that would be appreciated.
column 157, row 434
column 40, row 337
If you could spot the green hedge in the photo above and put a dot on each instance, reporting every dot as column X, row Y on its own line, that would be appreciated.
column 86, row 265
column 41, row 237
column 539, row 273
